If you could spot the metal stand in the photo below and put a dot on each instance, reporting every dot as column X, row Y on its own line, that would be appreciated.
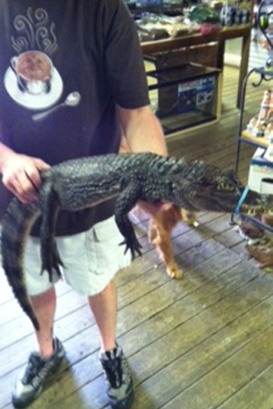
column 264, row 75
column 265, row 24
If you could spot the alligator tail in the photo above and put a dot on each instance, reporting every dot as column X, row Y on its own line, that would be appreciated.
column 16, row 225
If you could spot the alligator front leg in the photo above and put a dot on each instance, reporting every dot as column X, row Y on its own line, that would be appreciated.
column 126, row 201
column 51, row 260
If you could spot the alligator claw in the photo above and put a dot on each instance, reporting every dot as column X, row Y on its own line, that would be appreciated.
column 51, row 260
column 52, row 266
column 133, row 246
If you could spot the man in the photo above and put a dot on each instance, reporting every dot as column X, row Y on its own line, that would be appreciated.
column 82, row 58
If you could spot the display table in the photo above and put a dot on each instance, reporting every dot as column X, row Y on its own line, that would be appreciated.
column 240, row 31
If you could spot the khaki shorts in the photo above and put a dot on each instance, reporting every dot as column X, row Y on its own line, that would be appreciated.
column 91, row 260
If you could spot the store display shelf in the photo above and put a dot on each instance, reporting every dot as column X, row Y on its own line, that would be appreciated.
column 254, row 140
column 260, row 176
column 184, row 96
column 185, row 120
column 244, row 136
column 257, row 222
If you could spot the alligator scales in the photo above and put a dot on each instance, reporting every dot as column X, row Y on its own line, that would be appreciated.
column 86, row 182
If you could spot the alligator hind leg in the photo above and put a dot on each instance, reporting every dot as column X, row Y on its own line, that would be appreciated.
column 51, row 260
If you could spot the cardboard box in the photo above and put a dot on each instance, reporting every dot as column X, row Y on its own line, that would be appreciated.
column 197, row 94
column 260, row 177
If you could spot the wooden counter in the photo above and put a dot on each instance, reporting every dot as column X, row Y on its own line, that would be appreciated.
column 241, row 31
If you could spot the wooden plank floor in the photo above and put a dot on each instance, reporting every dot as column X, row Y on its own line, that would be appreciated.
column 203, row 342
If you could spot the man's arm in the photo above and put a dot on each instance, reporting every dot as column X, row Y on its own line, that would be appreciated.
column 20, row 173
column 142, row 130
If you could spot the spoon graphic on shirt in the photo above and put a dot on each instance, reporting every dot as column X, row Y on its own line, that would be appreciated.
column 71, row 100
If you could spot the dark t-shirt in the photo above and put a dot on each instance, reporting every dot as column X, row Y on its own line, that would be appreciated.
column 87, row 47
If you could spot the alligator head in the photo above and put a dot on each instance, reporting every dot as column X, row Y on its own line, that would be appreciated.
column 206, row 187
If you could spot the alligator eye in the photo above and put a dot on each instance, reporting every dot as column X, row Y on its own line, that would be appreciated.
column 203, row 181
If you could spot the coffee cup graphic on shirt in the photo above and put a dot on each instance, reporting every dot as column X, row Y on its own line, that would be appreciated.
column 33, row 70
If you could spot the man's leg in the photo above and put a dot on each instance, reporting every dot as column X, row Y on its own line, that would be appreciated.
column 44, row 306
column 104, row 309
column 40, row 364
column 118, row 378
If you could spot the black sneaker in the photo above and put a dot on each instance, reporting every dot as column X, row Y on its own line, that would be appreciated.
column 31, row 382
column 119, row 381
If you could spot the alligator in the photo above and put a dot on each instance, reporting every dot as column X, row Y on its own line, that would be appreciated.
column 129, row 178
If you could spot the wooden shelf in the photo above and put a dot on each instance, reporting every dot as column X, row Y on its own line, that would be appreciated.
column 255, row 140
column 241, row 31
column 228, row 33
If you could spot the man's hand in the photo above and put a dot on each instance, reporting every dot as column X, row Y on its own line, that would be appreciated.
column 20, row 175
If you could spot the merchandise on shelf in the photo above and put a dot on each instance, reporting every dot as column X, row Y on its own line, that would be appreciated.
column 204, row 14
column 262, row 33
column 158, row 26
column 260, row 177
column 262, row 124
column 235, row 13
